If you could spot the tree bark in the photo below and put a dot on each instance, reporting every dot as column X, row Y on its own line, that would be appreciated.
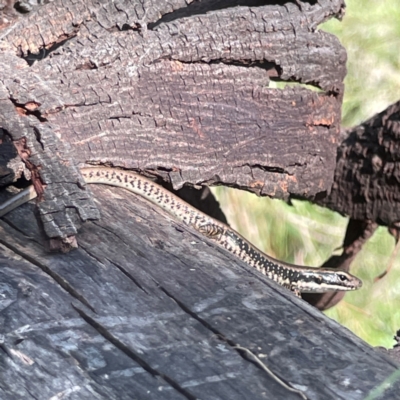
column 181, row 91
column 367, row 174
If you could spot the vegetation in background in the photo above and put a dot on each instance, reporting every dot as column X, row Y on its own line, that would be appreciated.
column 307, row 234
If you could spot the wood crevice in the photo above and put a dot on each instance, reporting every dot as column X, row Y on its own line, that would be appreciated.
column 48, row 271
column 106, row 334
column 128, row 275
column 221, row 336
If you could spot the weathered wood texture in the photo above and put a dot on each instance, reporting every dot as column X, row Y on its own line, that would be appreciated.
column 147, row 309
column 179, row 88
column 367, row 173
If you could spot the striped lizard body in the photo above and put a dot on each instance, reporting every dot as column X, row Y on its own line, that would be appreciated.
column 296, row 278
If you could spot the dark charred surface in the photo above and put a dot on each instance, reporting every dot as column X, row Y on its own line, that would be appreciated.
column 367, row 175
column 181, row 89
column 147, row 309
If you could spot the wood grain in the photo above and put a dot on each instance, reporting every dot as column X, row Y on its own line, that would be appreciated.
column 146, row 308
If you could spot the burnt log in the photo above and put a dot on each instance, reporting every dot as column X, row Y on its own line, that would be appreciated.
column 366, row 188
column 130, row 314
column 367, row 174
column 182, row 90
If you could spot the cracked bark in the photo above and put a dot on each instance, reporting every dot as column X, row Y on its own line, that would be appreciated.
column 366, row 188
column 367, row 174
column 179, row 89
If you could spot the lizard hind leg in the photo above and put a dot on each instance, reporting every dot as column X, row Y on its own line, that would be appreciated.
column 210, row 230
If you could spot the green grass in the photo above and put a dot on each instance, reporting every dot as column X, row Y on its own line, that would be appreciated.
column 308, row 234
column 370, row 32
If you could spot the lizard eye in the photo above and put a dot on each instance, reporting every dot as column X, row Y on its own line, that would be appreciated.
column 342, row 277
